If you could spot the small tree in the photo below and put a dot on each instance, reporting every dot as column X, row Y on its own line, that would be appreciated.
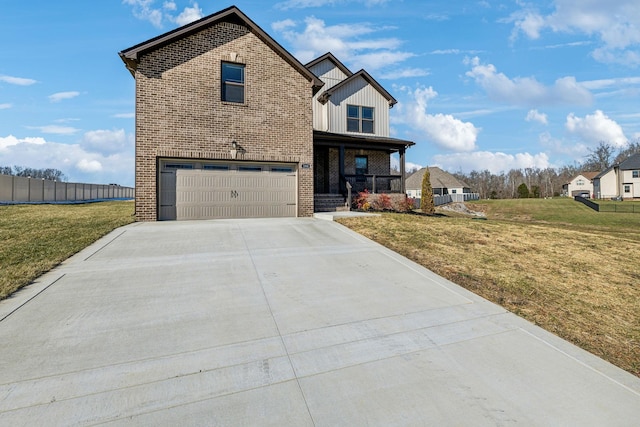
column 535, row 192
column 426, row 204
column 523, row 191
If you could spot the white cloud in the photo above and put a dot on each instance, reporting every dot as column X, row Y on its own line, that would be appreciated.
column 169, row 5
column 283, row 25
column 57, row 97
column 408, row 166
column 189, row 14
column 494, row 162
column 78, row 164
column 405, row 73
column 527, row 90
column 442, row 129
column 535, row 116
column 596, row 127
column 5, row 106
column 86, row 165
column 105, row 141
column 20, row 81
column 614, row 23
column 346, row 42
column 11, row 140
column 146, row 10
column 124, row 115
column 56, row 129
column 302, row 4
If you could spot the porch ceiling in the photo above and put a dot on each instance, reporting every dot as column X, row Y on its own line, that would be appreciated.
column 329, row 139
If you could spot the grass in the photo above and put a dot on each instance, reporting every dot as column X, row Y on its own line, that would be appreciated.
column 36, row 238
column 571, row 270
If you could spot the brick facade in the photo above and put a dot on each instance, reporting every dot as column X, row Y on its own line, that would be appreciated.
column 179, row 112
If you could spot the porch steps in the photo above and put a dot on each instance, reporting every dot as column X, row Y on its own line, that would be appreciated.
column 329, row 202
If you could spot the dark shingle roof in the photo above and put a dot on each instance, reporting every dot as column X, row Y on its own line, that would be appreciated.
column 631, row 163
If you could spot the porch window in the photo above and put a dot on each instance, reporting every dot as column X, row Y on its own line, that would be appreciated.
column 362, row 165
column 233, row 82
column 360, row 119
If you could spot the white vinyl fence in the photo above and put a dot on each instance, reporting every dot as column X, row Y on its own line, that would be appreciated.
column 18, row 189
column 450, row 198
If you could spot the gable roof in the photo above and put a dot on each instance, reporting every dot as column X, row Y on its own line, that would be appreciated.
column 589, row 175
column 438, row 178
column 360, row 74
column 603, row 173
column 132, row 55
column 329, row 57
column 632, row 162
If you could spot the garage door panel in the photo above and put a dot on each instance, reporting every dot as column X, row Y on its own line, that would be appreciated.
column 211, row 194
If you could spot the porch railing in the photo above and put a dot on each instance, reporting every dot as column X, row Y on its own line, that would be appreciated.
column 375, row 183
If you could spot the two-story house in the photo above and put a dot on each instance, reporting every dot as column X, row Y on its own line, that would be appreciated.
column 229, row 124
column 621, row 180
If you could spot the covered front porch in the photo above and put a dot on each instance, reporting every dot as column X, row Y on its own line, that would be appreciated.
column 345, row 164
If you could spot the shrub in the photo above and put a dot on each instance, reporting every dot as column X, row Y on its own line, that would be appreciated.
column 361, row 201
column 407, row 205
column 383, row 203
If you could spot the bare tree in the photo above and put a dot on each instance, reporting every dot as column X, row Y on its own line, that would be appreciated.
column 600, row 158
column 629, row 150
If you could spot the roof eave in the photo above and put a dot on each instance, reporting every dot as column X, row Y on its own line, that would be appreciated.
column 131, row 56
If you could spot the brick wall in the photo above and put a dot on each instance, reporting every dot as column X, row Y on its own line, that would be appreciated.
column 379, row 164
column 179, row 112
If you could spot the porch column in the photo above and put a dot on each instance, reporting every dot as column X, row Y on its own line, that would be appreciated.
column 341, row 184
column 402, row 170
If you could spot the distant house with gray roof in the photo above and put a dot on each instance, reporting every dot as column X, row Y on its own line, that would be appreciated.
column 442, row 183
column 620, row 180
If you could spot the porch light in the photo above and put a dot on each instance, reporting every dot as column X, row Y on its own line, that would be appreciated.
column 234, row 149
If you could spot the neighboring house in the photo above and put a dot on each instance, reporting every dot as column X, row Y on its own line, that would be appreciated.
column 441, row 182
column 620, row 180
column 225, row 124
column 580, row 185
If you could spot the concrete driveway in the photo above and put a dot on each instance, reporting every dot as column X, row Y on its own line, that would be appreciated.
column 282, row 322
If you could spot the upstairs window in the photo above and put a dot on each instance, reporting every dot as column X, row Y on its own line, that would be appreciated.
column 359, row 119
column 233, row 82
column 636, row 174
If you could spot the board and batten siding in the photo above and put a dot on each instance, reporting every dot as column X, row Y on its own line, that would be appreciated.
column 331, row 75
column 358, row 92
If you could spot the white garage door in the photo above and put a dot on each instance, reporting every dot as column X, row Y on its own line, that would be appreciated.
column 228, row 191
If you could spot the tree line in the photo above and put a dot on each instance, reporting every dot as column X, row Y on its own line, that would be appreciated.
column 548, row 182
column 49, row 173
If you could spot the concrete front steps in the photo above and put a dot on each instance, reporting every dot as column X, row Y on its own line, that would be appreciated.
column 329, row 203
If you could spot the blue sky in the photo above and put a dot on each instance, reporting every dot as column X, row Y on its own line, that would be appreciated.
column 481, row 84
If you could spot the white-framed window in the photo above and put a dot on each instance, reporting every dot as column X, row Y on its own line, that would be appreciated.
column 635, row 174
column 233, row 82
column 360, row 119
column 627, row 189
